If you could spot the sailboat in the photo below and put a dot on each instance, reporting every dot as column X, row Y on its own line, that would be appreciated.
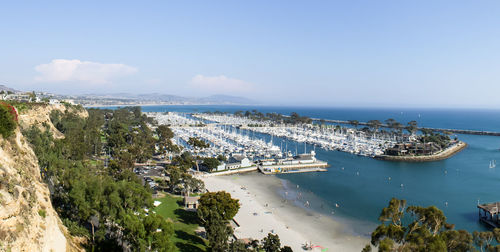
column 493, row 164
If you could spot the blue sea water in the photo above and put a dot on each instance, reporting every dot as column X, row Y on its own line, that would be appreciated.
column 362, row 186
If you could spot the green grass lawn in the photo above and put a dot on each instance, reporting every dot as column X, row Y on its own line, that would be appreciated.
column 185, row 224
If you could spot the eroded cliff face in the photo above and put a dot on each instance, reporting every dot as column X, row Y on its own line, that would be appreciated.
column 28, row 221
column 40, row 115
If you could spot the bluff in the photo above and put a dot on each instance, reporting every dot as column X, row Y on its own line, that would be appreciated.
column 28, row 222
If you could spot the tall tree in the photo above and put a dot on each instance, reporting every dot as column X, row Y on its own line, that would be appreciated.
column 215, row 211
column 271, row 243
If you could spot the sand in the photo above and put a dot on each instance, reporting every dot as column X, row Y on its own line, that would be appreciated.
column 263, row 211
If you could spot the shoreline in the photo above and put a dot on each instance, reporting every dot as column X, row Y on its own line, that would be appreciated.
column 161, row 104
column 447, row 153
column 263, row 210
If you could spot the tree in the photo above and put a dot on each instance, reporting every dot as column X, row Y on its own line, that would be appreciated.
column 210, row 163
column 215, row 211
column 221, row 158
column 286, row 249
column 390, row 122
column 218, row 233
column 412, row 127
column 355, row 123
column 374, row 124
column 159, row 233
column 271, row 243
column 238, row 246
column 164, row 133
column 425, row 229
column 219, row 203
column 198, row 143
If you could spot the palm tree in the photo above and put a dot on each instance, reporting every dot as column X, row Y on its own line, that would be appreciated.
column 354, row 122
column 390, row 123
column 374, row 124
column 412, row 127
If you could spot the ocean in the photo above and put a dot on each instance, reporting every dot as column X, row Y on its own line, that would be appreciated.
column 355, row 188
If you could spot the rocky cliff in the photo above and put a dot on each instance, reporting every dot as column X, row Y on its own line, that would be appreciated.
column 28, row 221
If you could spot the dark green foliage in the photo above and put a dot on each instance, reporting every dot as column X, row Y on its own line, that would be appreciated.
column 165, row 135
column 237, row 246
column 7, row 121
column 294, row 118
column 85, row 194
column 218, row 232
column 440, row 139
column 217, row 203
column 210, row 163
column 425, row 229
column 198, row 143
column 215, row 211
column 221, row 158
column 286, row 249
column 367, row 248
column 271, row 243
column 127, row 131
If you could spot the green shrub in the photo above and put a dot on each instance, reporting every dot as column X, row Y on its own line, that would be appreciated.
column 74, row 228
column 42, row 213
column 7, row 122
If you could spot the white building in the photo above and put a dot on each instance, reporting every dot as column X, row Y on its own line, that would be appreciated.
column 235, row 162
column 54, row 101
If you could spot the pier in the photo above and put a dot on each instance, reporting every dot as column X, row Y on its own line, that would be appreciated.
column 488, row 214
column 456, row 131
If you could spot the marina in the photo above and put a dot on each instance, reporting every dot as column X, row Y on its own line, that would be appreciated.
column 330, row 138
column 454, row 184
column 243, row 151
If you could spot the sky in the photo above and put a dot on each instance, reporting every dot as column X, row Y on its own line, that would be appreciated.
column 312, row 53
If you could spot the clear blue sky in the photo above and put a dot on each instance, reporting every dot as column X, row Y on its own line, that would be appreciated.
column 331, row 53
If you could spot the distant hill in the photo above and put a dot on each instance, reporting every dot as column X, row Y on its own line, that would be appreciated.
column 166, row 98
column 8, row 89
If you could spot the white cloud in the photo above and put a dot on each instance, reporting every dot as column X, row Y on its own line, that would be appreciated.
column 62, row 70
column 220, row 84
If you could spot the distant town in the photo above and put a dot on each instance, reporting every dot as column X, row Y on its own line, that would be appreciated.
column 121, row 99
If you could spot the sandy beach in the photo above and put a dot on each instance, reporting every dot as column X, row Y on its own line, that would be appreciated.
column 263, row 211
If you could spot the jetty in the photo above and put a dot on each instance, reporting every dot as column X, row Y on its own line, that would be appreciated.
column 456, row 131
column 488, row 214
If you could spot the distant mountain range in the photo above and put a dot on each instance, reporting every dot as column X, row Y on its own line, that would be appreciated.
column 7, row 89
column 131, row 99
column 165, row 98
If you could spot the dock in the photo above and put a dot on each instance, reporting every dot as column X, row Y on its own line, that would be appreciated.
column 488, row 214
column 318, row 166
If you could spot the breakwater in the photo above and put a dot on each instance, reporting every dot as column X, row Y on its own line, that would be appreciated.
column 456, row 131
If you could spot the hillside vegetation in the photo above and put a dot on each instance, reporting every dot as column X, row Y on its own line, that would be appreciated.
column 27, row 220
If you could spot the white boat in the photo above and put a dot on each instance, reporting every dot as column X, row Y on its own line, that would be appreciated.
column 493, row 164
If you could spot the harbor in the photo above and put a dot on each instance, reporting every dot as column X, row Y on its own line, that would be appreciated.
column 242, row 150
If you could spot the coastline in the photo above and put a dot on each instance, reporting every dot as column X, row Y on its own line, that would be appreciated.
column 134, row 105
column 447, row 153
column 263, row 209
